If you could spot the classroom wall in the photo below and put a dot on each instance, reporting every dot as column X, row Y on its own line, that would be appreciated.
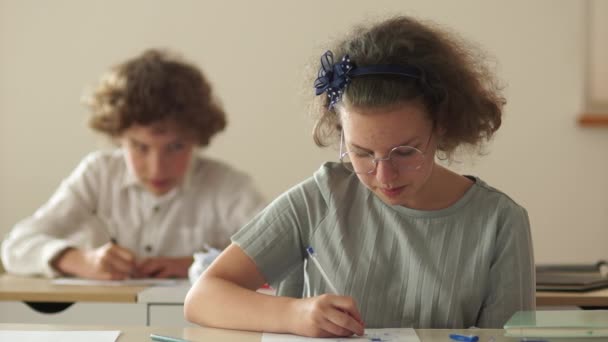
column 254, row 52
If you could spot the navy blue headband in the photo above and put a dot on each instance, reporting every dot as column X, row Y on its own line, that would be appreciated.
column 334, row 78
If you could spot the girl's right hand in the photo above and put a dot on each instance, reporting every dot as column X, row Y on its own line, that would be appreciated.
column 327, row 316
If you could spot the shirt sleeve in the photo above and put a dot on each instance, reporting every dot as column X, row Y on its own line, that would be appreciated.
column 512, row 273
column 242, row 203
column 36, row 240
column 276, row 238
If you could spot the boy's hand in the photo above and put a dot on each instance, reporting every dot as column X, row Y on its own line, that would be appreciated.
column 163, row 267
column 108, row 262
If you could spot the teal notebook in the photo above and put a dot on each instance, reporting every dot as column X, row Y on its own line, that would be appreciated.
column 558, row 323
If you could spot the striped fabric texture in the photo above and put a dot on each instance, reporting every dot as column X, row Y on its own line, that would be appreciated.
column 470, row 264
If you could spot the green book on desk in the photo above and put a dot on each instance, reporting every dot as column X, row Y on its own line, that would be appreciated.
column 558, row 323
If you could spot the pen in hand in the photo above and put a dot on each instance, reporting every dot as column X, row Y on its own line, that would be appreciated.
column 313, row 258
column 120, row 252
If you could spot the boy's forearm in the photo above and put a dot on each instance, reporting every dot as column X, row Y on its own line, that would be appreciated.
column 70, row 261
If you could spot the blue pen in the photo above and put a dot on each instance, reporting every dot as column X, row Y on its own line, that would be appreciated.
column 313, row 258
column 464, row 338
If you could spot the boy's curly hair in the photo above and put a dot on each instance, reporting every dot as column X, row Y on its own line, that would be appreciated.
column 155, row 87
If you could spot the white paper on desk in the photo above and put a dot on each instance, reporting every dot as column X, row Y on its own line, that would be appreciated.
column 59, row 336
column 126, row 282
column 380, row 335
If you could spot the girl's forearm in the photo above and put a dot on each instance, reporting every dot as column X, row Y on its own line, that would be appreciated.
column 219, row 303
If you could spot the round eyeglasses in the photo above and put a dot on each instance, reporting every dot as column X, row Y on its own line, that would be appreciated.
column 402, row 158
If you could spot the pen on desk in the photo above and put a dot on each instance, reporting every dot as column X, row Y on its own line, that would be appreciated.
column 313, row 258
column 464, row 338
column 161, row 338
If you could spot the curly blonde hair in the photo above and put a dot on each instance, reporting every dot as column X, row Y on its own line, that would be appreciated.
column 155, row 86
column 458, row 91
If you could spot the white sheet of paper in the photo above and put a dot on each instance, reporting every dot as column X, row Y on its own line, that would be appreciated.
column 126, row 282
column 59, row 336
column 371, row 335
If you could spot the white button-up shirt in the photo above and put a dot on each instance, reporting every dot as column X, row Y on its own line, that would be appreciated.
column 102, row 200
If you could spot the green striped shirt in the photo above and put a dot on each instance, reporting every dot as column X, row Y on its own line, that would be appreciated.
column 470, row 264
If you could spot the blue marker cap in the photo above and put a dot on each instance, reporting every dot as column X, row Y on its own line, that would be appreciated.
column 310, row 250
column 464, row 338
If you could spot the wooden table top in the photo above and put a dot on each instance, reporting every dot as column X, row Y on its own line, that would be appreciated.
column 17, row 288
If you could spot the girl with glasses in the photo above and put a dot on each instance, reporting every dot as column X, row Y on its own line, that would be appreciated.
column 387, row 237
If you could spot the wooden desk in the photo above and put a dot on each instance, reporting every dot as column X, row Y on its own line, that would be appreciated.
column 15, row 288
column 37, row 300
column 21, row 299
column 199, row 334
column 597, row 298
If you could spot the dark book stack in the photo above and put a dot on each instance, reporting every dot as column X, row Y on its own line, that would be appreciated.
column 572, row 277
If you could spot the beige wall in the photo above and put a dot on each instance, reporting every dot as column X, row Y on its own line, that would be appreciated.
column 598, row 55
column 254, row 52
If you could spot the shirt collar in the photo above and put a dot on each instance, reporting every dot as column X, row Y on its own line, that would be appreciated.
column 129, row 177
column 187, row 180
